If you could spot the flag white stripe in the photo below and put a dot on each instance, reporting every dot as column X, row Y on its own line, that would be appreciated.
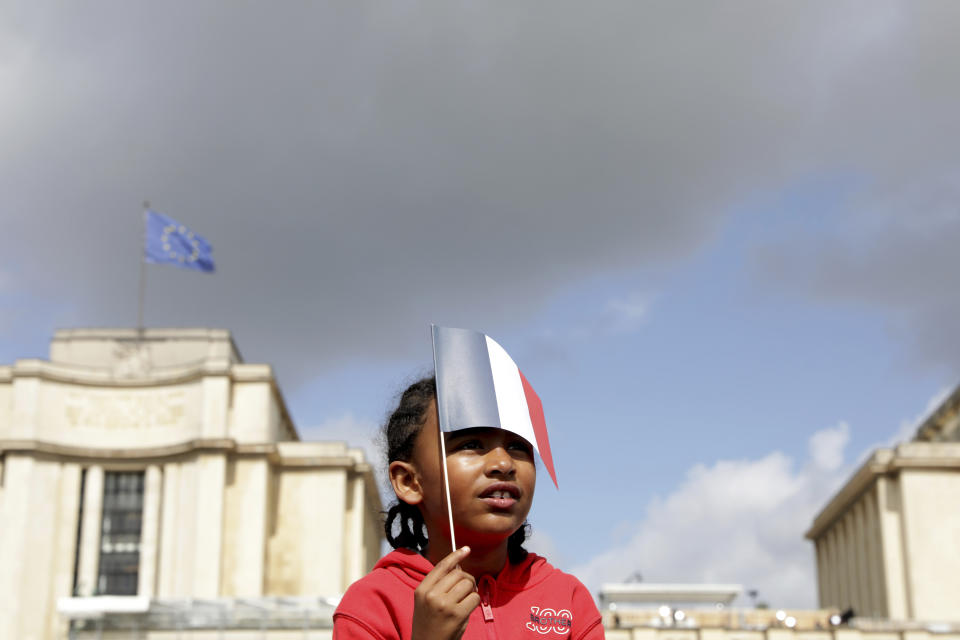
column 511, row 400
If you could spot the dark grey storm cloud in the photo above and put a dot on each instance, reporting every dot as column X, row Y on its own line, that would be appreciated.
column 365, row 168
column 903, row 265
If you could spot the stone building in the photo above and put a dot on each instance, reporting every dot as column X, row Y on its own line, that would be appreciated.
column 154, row 473
column 888, row 543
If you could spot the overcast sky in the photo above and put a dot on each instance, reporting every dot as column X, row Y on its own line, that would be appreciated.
column 718, row 237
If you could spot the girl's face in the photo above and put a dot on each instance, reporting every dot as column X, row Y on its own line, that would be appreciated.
column 492, row 479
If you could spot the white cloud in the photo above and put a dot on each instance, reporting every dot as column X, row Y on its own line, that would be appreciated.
column 626, row 313
column 826, row 446
column 556, row 333
column 739, row 521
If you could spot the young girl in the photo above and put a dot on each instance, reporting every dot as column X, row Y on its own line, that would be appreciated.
column 490, row 587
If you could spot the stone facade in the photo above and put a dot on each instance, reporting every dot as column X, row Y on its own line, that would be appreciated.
column 228, row 502
column 888, row 543
column 645, row 611
column 624, row 629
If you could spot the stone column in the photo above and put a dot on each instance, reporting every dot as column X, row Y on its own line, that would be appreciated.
column 65, row 545
column 170, row 525
column 354, row 555
column 89, row 560
column 244, row 568
column 836, row 589
column 876, row 554
column 863, row 585
column 843, row 564
column 149, row 534
column 14, row 542
column 891, row 543
column 210, row 486
column 820, row 549
column 853, row 562
column 868, row 605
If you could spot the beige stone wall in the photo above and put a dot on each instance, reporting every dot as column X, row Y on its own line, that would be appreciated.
column 234, row 504
column 298, row 551
column 41, row 497
column 931, row 530
column 87, row 398
column 250, row 405
column 245, row 533
column 214, row 525
column 888, row 544
column 165, row 348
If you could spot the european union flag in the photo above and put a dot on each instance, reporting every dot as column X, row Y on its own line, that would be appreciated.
column 169, row 242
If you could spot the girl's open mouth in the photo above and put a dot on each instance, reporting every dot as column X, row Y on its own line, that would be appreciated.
column 501, row 495
column 500, row 500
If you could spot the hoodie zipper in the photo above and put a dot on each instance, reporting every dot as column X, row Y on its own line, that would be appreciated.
column 486, row 608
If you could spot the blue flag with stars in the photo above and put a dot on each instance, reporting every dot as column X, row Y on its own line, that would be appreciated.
column 169, row 242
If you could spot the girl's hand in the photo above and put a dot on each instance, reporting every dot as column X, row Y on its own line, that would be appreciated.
column 443, row 601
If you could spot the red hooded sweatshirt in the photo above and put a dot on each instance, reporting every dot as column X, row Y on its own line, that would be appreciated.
column 531, row 599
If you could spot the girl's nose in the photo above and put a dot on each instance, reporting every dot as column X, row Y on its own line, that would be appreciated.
column 499, row 460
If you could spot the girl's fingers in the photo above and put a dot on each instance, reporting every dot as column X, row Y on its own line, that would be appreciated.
column 453, row 559
column 444, row 567
column 449, row 581
column 468, row 604
column 446, row 590
column 462, row 588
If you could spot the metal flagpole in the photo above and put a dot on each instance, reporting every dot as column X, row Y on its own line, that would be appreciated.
column 443, row 447
column 143, row 274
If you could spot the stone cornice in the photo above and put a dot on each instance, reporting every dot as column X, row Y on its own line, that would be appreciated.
column 291, row 454
column 87, row 376
column 163, row 451
column 885, row 462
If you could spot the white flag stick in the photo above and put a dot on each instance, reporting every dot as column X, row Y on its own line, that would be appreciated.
column 446, row 484
column 443, row 449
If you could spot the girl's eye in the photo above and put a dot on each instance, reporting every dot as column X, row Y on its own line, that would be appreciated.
column 519, row 445
column 469, row 444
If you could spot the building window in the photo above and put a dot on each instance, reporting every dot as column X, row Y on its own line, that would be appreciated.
column 120, row 533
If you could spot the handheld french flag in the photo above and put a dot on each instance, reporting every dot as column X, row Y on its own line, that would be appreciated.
column 479, row 385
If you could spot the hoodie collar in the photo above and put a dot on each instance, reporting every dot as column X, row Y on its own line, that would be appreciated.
column 411, row 567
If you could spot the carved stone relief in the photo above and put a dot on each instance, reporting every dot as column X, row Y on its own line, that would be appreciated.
column 125, row 409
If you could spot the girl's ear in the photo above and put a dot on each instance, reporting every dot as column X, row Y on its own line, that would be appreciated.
column 406, row 482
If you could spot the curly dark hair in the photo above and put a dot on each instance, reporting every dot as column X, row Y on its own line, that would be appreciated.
column 399, row 433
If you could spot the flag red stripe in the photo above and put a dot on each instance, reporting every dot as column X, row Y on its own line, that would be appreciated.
column 539, row 426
